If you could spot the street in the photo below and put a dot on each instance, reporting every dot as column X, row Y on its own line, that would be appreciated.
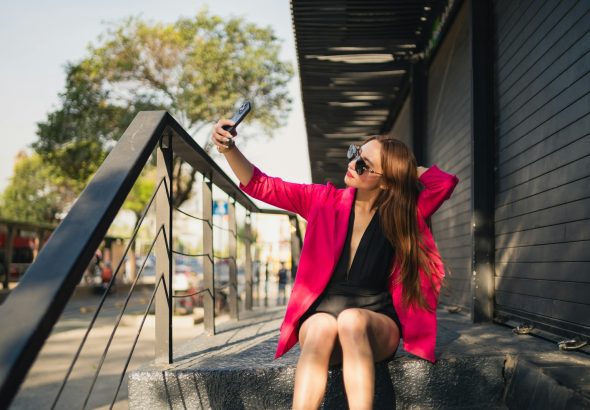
column 45, row 377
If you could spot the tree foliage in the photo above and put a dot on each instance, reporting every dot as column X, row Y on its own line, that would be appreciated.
column 199, row 69
column 142, row 191
column 35, row 193
column 75, row 138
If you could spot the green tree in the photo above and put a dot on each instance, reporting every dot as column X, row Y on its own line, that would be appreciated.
column 75, row 138
column 142, row 191
column 136, row 201
column 35, row 193
column 197, row 68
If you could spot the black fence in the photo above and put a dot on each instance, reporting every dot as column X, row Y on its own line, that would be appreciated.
column 51, row 280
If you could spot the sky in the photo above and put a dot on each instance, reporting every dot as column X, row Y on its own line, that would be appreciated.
column 37, row 39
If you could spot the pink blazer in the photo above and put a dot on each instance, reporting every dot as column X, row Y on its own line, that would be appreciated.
column 326, row 209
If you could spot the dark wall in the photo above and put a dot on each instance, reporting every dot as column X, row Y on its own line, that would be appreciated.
column 542, row 209
column 402, row 129
column 448, row 145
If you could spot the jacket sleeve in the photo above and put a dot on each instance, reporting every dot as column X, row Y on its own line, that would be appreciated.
column 294, row 197
column 438, row 187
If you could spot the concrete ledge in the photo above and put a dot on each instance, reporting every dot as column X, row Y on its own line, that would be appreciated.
column 452, row 383
column 538, row 386
column 481, row 366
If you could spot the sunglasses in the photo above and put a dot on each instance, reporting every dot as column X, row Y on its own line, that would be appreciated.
column 360, row 166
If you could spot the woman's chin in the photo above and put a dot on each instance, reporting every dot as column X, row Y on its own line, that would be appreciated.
column 348, row 181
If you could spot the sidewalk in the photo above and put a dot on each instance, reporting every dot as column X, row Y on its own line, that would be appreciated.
column 45, row 377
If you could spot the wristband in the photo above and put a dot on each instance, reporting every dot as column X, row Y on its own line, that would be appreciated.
column 228, row 148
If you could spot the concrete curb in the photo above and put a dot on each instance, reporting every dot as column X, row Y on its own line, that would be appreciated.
column 532, row 386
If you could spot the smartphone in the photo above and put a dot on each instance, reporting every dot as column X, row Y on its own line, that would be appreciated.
column 238, row 116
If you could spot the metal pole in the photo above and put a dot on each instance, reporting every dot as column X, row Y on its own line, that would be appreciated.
column 248, row 267
column 233, row 255
column 418, row 106
column 164, row 253
column 208, row 265
column 483, row 159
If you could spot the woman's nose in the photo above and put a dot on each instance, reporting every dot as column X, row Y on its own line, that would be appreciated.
column 354, row 160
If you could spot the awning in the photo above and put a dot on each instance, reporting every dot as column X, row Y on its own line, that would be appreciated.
column 354, row 60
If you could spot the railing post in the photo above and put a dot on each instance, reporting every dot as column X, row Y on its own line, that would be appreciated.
column 164, row 302
column 208, row 261
column 248, row 267
column 233, row 257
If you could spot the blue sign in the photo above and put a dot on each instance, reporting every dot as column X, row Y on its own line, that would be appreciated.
column 219, row 207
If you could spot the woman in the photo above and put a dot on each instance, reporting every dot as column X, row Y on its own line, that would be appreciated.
column 369, row 269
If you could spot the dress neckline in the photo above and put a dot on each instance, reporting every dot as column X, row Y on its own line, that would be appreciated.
column 349, row 237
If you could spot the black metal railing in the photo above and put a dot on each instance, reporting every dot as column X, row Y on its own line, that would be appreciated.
column 50, row 281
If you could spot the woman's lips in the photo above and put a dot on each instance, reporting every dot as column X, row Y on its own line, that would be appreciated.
column 348, row 174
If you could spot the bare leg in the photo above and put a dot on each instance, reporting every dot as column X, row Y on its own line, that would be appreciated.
column 365, row 337
column 317, row 338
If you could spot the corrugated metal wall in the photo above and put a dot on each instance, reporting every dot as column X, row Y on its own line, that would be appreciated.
column 402, row 129
column 542, row 217
column 448, row 145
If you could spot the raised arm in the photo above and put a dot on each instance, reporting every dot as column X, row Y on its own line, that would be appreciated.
column 223, row 140
column 293, row 197
column 438, row 187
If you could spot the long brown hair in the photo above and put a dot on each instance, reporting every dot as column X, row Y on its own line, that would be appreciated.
column 396, row 205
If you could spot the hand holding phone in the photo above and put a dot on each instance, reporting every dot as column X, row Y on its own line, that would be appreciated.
column 238, row 116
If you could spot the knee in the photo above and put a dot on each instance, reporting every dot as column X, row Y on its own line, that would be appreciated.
column 352, row 325
column 321, row 334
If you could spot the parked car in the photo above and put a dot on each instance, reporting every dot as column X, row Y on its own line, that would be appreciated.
column 148, row 275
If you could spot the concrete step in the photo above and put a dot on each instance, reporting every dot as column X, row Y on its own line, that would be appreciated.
column 409, row 383
column 479, row 367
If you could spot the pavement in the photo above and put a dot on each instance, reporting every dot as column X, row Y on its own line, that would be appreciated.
column 45, row 377
column 47, row 373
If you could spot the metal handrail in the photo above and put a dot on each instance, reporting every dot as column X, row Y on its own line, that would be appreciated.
column 52, row 278
column 107, row 290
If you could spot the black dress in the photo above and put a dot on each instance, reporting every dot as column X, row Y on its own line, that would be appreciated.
column 365, row 285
